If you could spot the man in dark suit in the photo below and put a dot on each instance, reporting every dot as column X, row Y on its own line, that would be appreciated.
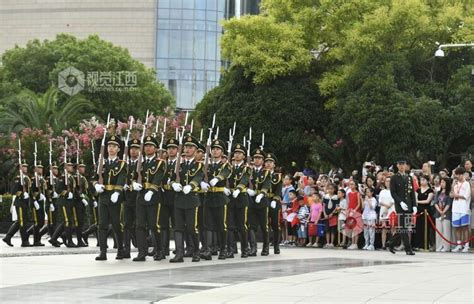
column 401, row 188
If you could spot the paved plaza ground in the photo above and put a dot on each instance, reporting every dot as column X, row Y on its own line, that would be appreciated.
column 297, row 275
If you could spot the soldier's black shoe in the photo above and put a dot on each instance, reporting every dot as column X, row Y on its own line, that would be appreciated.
column 188, row 254
column 206, row 255
column 126, row 255
column 55, row 243
column 81, row 244
column 119, row 255
column 7, row 241
column 276, row 250
column 222, row 255
column 265, row 251
column 244, row 254
column 230, row 254
column 26, row 244
column 158, row 256
column 196, row 257
column 152, row 253
column 140, row 257
column 410, row 253
column 70, row 244
column 177, row 259
column 215, row 252
column 391, row 248
column 38, row 244
column 252, row 253
column 101, row 257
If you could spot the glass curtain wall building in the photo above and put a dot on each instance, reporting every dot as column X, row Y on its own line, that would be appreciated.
column 188, row 32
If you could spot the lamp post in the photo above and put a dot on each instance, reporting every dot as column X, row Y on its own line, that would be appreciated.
column 440, row 53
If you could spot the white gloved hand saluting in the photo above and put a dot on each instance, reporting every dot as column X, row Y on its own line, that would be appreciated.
column 236, row 193
column 204, row 186
column 404, row 206
column 214, row 181
column 99, row 188
column 187, row 189
column 259, row 198
column 114, row 197
column 136, row 186
column 148, row 195
column 273, row 204
column 251, row 192
column 177, row 187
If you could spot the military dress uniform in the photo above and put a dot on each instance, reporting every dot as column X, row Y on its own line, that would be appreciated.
column 51, row 206
column 21, row 204
column 114, row 175
column 258, row 211
column 130, row 201
column 401, row 188
column 237, row 211
column 167, row 205
column 93, row 213
column 65, row 219
column 39, row 191
column 186, row 204
column 81, row 201
column 149, row 204
column 215, row 207
column 274, row 195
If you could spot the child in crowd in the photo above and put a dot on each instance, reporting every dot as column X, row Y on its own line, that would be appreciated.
column 342, row 208
column 285, row 204
column 354, row 202
column 316, row 209
column 303, row 216
column 369, row 216
column 461, row 194
column 330, row 202
column 291, row 212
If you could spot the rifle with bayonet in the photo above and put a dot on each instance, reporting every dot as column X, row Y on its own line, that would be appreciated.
column 100, row 167
column 140, row 155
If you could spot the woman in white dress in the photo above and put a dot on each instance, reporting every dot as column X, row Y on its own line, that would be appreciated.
column 387, row 210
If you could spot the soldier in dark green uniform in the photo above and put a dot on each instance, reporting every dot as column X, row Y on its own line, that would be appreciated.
column 65, row 220
column 39, row 189
column 52, row 197
column 401, row 188
column 22, row 190
column 237, row 212
column 130, row 200
column 186, row 202
column 81, row 202
column 149, row 201
column 167, row 206
column 200, row 157
column 215, row 207
column 258, row 209
column 110, row 198
column 274, row 196
column 93, row 212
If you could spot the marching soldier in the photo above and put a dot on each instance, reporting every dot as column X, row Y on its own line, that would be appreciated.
column 215, row 208
column 93, row 213
column 166, row 213
column 130, row 200
column 239, row 202
column 39, row 188
column 186, row 186
column 401, row 188
column 65, row 188
column 22, row 189
column 275, row 200
column 80, row 202
column 258, row 209
column 200, row 157
column 149, row 201
column 52, row 196
column 110, row 198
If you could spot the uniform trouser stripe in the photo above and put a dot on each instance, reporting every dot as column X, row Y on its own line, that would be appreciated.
column 65, row 216
column 245, row 218
column 158, row 228
column 35, row 217
column 266, row 219
column 196, row 230
column 21, row 216
column 50, row 218
column 76, row 222
column 120, row 218
column 94, row 212
column 225, row 217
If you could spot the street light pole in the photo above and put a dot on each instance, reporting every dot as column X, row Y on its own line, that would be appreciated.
column 440, row 53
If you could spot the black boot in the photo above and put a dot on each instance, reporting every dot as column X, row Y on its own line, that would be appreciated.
column 222, row 245
column 206, row 254
column 266, row 247
column 178, row 238
column 230, row 245
column 133, row 237
column 165, row 250
column 24, row 237
column 69, row 242
column 253, row 244
column 37, row 236
column 119, row 237
column 80, row 242
column 151, row 243
column 54, row 238
column 276, row 242
column 44, row 230
column 195, row 240
column 126, row 244
column 159, row 248
column 188, row 251
column 11, row 232
column 103, row 246
column 167, row 242
column 244, row 244
column 142, row 247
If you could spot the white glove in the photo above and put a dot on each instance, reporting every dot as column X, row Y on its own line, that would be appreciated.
column 37, row 206
column 51, row 207
column 404, row 206
column 236, row 193
column 214, row 181
column 273, row 204
column 69, row 195
column 204, row 186
column 84, row 202
column 415, row 210
column 99, row 188
column 259, row 198
column 148, row 195
column 114, row 197
column 177, row 187
column 95, row 204
column 125, row 187
column 42, row 197
column 251, row 192
column 227, row 191
column 136, row 186
column 55, row 194
column 187, row 189
column 12, row 208
column 26, row 195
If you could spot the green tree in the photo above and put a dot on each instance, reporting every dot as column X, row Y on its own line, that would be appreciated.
column 36, row 66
